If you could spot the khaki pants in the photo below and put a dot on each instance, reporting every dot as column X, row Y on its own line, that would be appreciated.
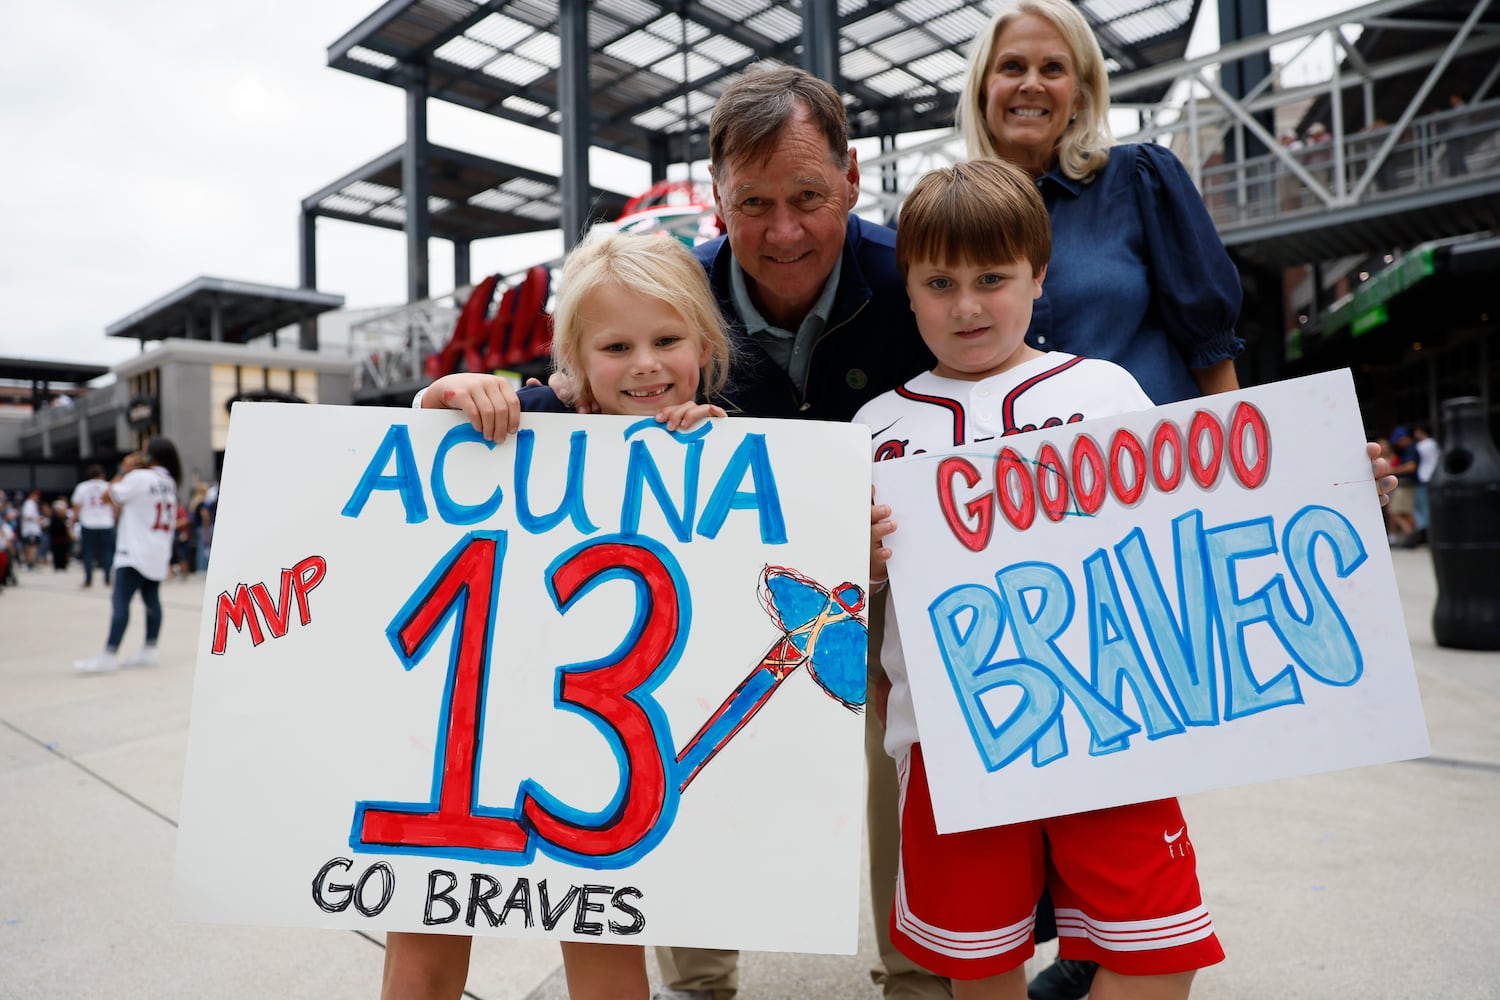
column 716, row 970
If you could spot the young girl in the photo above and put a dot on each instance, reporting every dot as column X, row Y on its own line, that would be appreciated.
column 637, row 331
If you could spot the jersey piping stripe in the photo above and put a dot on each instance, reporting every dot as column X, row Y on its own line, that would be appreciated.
column 1008, row 408
column 953, row 406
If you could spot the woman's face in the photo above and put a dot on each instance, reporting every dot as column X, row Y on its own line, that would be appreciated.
column 1030, row 92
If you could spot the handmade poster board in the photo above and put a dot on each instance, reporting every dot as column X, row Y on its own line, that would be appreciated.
column 601, row 682
column 1118, row 610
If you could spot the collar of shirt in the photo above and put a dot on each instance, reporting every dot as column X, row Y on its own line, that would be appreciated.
column 756, row 324
column 789, row 350
column 1062, row 180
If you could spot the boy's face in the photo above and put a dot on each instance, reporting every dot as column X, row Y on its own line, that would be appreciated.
column 974, row 317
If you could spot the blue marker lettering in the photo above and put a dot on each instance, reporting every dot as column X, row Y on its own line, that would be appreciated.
column 449, row 509
column 1183, row 652
column 1036, row 636
column 1243, row 694
column 1116, row 655
column 1322, row 642
column 966, row 650
column 751, row 456
column 571, row 505
column 405, row 481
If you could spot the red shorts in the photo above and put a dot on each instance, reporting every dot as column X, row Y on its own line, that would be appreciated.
column 1123, row 880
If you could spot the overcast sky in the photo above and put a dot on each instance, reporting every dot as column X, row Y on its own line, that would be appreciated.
column 147, row 143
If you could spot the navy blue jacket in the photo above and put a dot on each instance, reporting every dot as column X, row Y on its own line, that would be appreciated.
column 869, row 346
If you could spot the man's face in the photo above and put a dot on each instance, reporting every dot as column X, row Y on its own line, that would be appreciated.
column 786, row 217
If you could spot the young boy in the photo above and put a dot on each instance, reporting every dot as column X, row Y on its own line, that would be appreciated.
column 973, row 246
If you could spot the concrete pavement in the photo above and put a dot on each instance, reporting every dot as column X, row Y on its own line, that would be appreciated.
column 1375, row 883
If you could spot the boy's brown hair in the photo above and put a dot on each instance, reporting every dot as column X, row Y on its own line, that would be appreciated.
column 979, row 212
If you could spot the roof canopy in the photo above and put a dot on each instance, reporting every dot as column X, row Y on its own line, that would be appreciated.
column 222, row 310
column 656, row 69
column 470, row 197
column 31, row 370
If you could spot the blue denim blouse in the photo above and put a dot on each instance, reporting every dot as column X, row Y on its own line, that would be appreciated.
column 1139, row 275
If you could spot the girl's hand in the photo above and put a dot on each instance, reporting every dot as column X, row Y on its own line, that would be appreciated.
column 881, row 525
column 683, row 416
column 488, row 401
column 1381, row 470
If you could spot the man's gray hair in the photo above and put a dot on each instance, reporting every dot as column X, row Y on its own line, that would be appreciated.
column 752, row 112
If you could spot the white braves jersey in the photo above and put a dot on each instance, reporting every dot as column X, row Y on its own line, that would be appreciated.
column 148, row 521
column 91, row 498
column 935, row 414
column 31, row 518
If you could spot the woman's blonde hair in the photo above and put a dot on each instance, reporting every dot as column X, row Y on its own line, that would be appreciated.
column 653, row 264
column 1084, row 146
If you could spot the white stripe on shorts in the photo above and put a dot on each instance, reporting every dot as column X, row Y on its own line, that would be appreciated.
column 1137, row 935
column 959, row 944
column 956, row 944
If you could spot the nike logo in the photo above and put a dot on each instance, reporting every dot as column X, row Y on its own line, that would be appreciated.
column 1171, row 838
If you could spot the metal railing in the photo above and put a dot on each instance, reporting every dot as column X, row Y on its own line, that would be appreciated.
column 1356, row 161
column 1448, row 147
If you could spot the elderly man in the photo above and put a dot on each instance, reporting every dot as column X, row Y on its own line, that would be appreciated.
column 821, row 324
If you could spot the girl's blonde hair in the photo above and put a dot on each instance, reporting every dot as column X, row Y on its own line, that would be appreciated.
column 1084, row 146
column 654, row 264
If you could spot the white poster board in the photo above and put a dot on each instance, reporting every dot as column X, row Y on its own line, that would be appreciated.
column 601, row 682
column 1185, row 598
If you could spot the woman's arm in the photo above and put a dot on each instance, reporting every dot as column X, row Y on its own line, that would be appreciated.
column 1217, row 377
column 1195, row 286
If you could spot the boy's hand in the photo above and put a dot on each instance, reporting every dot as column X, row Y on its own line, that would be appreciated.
column 1381, row 470
column 488, row 401
column 881, row 696
column 881, row 525
column 683, row 416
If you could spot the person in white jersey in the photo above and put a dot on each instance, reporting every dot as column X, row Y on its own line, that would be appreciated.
column 31, row 528
column 145, row 491
column 95, row 515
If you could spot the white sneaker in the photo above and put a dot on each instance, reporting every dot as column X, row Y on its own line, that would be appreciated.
column 101, row 663
column 144, row 657
column 669, row 993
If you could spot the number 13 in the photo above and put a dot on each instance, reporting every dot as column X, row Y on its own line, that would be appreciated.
column 614, row 693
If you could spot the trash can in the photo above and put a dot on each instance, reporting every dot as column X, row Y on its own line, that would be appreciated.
column 1464, row 529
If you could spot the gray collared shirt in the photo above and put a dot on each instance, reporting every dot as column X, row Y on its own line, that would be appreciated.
column 791, row 351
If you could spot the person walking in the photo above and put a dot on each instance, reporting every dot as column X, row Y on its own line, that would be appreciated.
column 95, row 515
column 146, row 491
column 31, row 528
